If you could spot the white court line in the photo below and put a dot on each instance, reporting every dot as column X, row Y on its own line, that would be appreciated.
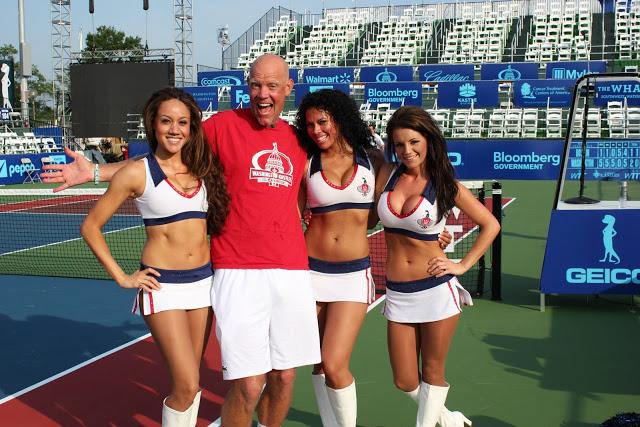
column 72, row 369
column 65, row 241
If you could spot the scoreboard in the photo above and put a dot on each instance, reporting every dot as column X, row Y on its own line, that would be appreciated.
column 606, row 159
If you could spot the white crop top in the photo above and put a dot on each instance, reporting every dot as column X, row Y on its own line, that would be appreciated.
column 162, row 203
column 420, row 223
column 357, row 193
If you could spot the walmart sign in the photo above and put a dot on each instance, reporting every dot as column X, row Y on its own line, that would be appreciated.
column 328, row 75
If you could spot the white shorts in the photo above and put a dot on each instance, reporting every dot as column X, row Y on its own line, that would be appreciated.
column 426, row 300
column 181, row 290
column 265, row 320
column 342, row 281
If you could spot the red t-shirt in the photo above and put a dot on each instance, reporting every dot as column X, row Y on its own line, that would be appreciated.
column 263, row 167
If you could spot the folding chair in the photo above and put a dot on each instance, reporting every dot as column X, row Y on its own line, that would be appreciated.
column 32, row 173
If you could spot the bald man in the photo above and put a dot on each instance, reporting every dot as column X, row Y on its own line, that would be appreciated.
column 261, row 295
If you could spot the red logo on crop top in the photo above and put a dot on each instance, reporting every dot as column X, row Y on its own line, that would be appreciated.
column 272, row 167
column 424, row 221
column 364, row 188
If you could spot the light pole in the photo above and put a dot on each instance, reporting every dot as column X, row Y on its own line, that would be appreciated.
column 25, row 65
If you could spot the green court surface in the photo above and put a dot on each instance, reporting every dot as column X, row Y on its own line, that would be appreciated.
column 573, row 365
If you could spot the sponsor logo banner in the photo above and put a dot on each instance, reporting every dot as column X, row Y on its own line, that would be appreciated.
column 480, row 94
column 328, row 75
column 239, row 97
column 403, row 73
column 617, row 91
column 605, row 159
column 293, row 75
column 592, row 252
column 509, row 71
column 302, row 89
column 12, row 171
column 573, row 70
column 396, row 94
column 221, row 78
column 540, row 93
column 7, row 85
column 446, row 73
column 206, row 96
column 506, row 159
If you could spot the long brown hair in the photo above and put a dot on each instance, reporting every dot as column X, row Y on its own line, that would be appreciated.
column 196, row 154
column 437, row 165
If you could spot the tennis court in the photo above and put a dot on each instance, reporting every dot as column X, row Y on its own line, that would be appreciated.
column 509, row 365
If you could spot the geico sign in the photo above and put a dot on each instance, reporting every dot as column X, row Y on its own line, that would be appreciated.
column 616, row 276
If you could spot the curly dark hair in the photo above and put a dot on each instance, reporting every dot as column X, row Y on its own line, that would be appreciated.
column 437, row 165
column 344, row 113
column 196, row 154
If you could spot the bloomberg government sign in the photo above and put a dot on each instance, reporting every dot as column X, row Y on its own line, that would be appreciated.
column 592, row 252
column 221, row 78
column 395, row 94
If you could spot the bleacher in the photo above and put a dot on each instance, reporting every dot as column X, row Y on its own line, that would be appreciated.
column 536, row 32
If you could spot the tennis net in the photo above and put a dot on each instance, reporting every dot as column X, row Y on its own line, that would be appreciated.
column 486, row 271
column 41, row 233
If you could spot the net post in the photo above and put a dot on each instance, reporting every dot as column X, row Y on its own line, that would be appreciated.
column 496, row 247
column 482, row 260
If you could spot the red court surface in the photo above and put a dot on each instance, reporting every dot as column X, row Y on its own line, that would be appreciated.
column 125, row 388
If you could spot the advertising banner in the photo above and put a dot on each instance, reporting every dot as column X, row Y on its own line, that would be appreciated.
column 509, row 71
column 396, row 94
column 239, row 97
column 302, row 89
column 506, row 159
column 592, row 252
column 573, row 70
column 481, row 93
column 328, row 75
column 206, row 96
column 446, row 73
column 293, row 75
column 221, row 78
column 13, row 171
column 617, row 91
column 385, row 74
column 540, row 93
column 7, row 84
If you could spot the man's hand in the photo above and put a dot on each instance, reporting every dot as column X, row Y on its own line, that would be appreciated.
column 444, row 238
column 77, row 172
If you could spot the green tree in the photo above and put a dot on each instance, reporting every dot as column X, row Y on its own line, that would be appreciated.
column 8, row 51
column 109, row 38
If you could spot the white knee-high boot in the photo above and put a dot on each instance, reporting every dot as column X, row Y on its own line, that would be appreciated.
column 322, row 399
column 431, row 403
column 345, row 404
column 414, row 394
column 173, row 418
column 195, row 406
column 453, row 419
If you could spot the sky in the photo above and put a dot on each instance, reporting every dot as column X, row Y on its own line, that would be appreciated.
column 156, row 26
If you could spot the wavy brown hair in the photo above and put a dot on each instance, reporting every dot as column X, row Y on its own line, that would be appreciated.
column 196, row 154
column 437, row 165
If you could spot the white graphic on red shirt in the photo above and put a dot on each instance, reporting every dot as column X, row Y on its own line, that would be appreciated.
column 272, row 167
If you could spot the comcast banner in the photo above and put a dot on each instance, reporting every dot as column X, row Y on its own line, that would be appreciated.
column 221, row 78
column 395, row 94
